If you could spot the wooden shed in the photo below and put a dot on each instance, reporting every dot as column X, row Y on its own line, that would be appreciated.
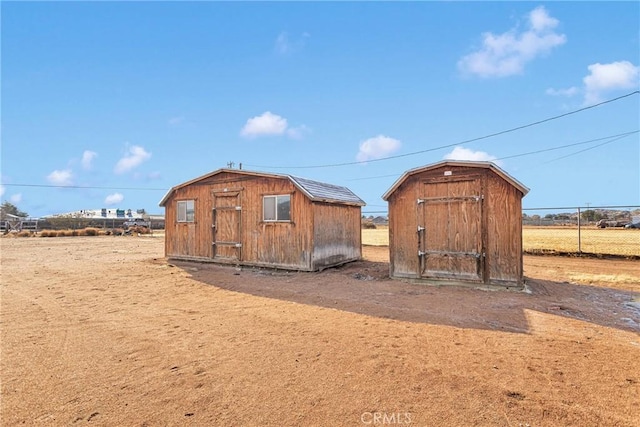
column 457, row 221
column 241, row 217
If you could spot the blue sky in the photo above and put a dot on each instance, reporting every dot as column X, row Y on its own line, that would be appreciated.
column 110, row 104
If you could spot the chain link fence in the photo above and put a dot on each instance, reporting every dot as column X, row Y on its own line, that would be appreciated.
column 597, row 230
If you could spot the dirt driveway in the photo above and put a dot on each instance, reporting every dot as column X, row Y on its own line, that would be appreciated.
column 105, row 331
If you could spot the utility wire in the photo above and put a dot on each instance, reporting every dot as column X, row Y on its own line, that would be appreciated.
column 586, row 149
column 616, row 138
column 85, row 187
column 619, row 136
column 453, row 144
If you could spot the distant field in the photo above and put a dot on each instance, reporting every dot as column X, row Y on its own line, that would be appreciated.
column 608, row 241
column 377, row 237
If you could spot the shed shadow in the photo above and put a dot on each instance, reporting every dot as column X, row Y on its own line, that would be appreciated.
column 364, row 287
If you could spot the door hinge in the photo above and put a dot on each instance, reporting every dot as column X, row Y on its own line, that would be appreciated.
column 238, row 208
column 421, row 253
column 421, row 201
column 420, row 229
column 238, row 245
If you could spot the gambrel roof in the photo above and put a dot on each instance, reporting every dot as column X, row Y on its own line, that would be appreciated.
column 461, row 163
column 314, row 190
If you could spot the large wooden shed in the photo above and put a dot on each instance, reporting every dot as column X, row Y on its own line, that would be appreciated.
column 241, row 217
column 457, row 221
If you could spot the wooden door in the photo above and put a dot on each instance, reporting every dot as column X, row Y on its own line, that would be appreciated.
column 450, row 229
column 227, row 226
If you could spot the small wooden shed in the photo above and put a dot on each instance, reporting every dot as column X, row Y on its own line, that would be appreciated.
column 457, row 221
column 262, row 219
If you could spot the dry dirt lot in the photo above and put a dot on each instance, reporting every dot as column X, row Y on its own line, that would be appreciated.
column 105, row 331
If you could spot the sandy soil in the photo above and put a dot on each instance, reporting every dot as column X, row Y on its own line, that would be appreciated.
column 105, row 331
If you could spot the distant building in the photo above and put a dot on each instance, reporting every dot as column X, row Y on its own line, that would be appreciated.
column 103, row 213
column 110, row 217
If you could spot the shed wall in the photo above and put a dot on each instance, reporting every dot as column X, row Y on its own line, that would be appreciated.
column 318, row 235
column 403, row 236
column 337, row 236
column 277, row 244
column 501, row 225
column 503, row 203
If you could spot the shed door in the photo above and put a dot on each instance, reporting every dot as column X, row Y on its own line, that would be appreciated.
column 450, row 229
column 227, row 214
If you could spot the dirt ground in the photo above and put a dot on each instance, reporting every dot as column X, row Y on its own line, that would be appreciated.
column 105, row 331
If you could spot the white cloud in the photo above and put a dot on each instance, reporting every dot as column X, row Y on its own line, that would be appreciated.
column 113, row 199
column 61, row 177
column 377, row 147
column 135, row 156
column 2, row 190
column 461, row 153
column 608, row 77
column 16, row 198
column 603, row 78
column 87, row 159
column 266, row 124
column 506, row 54
column 284, row 45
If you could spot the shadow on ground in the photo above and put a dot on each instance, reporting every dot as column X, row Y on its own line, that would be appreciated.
column 364, row 287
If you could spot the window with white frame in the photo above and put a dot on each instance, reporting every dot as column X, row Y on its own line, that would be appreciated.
column 276, row 208
column 186, row 210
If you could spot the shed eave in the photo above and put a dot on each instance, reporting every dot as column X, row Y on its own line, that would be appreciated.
column 356, row 201
column 487, row 165
column 337, row 202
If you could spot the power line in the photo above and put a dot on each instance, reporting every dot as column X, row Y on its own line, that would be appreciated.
column 85, row 187
column 616, row 138
column 586, row 149
column 453, row 144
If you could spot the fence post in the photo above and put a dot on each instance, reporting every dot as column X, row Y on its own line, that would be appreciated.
column 579, row 227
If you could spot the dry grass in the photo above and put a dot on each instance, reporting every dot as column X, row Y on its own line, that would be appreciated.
column 608, row 241
column 375, row 237
column 71, row 233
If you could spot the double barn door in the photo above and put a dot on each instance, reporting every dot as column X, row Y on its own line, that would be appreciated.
column 450, row 229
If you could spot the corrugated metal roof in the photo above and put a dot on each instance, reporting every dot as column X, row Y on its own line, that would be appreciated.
column 323, row 192
column 314, row 190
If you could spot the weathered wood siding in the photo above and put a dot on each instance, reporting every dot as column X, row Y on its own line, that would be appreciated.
column 188, row 239
column 276, row 244
column 492, row 225
column 337, row 236
column 318, row 235
column 504, row 232
column 403, row 226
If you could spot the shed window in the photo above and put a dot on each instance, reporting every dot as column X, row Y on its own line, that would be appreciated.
column 186, row 211
column 277, row 208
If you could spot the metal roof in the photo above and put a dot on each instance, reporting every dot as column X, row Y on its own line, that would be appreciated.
column 323, row 192
column 314, row 190
column 463, row 163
